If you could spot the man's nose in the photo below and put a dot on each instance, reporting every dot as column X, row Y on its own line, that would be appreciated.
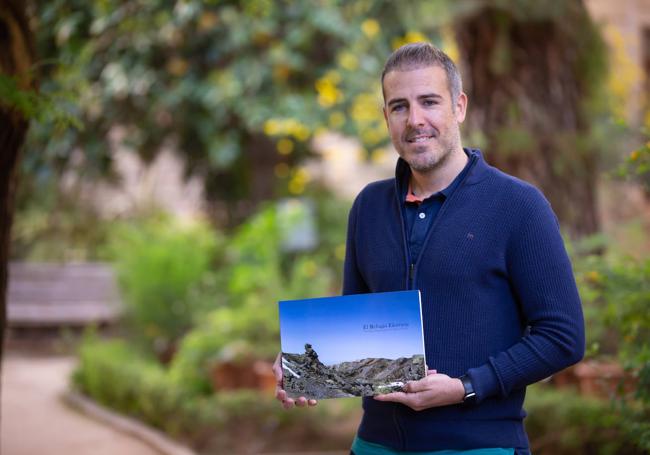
column 416, row 116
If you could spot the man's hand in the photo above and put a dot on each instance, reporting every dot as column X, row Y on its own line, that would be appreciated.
column 280, row 393
column 432, row 391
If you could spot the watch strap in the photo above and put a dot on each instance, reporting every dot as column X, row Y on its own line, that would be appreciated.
column 470, row 395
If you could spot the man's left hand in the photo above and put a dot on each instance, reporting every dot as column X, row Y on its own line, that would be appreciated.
column 432, row 391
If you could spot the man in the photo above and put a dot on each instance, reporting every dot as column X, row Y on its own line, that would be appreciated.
column 499, row 301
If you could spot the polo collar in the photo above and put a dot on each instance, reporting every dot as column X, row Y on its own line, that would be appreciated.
column 477, row 173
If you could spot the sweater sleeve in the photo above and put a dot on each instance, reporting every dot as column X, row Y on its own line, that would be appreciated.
column 353, row 282
column 542, row 279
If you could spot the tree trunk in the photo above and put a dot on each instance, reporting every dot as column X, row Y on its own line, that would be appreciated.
column 529, row 79
column 16, row 60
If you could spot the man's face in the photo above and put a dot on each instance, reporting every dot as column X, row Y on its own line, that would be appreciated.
column 423, row 124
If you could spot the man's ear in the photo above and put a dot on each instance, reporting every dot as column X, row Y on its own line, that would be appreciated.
column 461, row 107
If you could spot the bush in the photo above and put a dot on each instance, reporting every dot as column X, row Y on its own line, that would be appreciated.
column 115, row 375
column 178, row 295
column 626, row 288
column 160, row 264
column 616, row 296
column 558, row 422
column 563, row 422
column 226, row 334
column 258, row 273
column 53, row 227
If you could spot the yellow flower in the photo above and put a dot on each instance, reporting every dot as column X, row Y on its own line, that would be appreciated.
column 336, row 120
column 302, row 175
column 298, row 181
column 415, row 37
column 328, row 95
column 410, row 37
column 271, row 127
column 366, row 109
column 628, row 73
column 284, row 146
column 371, row 135
column 594, row 277
column 348, row 61
column 333, row 76
column 296, row 187
column 286, row 126
column 370, row 27
column 634, row 155
column 300, row 132
column 449, row 45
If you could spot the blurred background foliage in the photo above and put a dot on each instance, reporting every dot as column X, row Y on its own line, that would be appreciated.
column 239, row 88
column 241, row 91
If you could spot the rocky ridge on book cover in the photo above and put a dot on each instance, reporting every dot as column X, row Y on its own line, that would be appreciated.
column 305, row 375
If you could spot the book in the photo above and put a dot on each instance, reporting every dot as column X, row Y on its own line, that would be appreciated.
column 352, row 345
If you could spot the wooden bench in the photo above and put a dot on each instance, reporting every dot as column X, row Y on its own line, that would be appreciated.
column 61, row 295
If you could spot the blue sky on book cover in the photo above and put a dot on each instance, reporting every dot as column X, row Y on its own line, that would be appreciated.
column 354, row 327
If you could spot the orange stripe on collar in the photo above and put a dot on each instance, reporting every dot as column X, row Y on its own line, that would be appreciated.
column 410, row 197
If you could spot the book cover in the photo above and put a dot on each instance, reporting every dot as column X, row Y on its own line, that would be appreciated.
column 353, row 345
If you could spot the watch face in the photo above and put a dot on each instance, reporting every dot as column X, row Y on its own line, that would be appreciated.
column 470, row 398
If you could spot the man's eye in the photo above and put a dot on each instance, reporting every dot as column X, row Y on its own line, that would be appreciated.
column 430, row 102
column 399, row 107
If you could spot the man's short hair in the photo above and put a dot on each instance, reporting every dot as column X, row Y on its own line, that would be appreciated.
column 422, row 55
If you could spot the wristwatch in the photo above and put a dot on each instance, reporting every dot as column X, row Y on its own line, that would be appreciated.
column 470, row 395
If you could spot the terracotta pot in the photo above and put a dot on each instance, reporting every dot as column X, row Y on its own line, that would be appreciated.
column 254, row 374
column 565, row 378
column 603, row 379
column 264, row 373
column 596, row 378
column 232, row 375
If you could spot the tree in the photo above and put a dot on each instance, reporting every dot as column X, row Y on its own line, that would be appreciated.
column 16, row 62
column 533, row 74
column 239, row 88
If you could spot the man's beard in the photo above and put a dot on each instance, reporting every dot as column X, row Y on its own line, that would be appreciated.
column 435, row 161
column 432, row 162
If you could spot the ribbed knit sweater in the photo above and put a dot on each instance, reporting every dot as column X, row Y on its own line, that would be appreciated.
column 499, row 303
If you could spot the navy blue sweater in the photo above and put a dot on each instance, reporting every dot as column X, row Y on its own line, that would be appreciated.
column 499, row 303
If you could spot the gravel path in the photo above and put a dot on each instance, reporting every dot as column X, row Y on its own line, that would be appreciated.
column 36, row 422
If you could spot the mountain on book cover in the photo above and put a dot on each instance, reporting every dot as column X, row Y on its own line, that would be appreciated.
column 354, row 345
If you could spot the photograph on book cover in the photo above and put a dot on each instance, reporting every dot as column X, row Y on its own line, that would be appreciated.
column 353, row 345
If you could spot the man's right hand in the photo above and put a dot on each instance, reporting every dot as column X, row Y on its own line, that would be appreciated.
column 281, row 394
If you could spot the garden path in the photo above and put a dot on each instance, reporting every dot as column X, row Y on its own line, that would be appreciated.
column 35, row 421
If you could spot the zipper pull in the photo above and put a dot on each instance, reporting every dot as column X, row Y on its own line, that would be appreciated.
column 411, row 271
